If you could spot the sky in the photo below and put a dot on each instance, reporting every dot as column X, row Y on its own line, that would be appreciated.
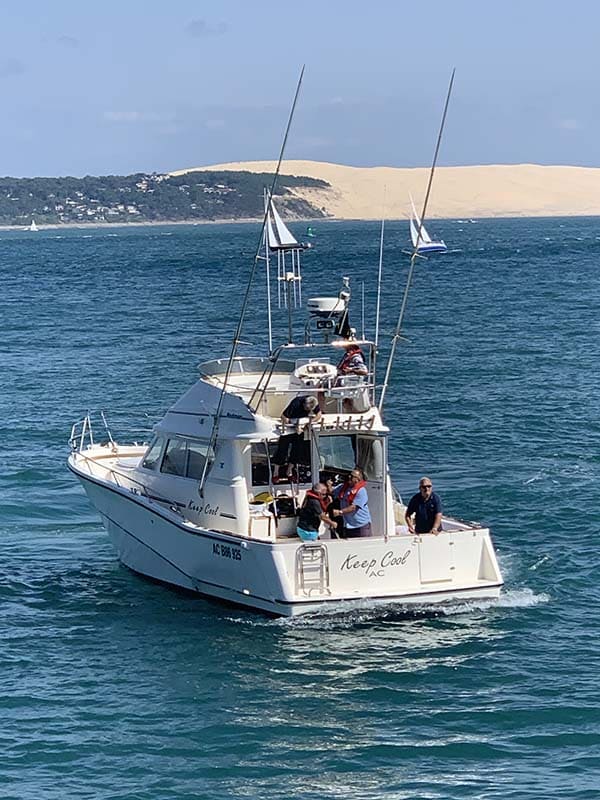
column 132, row 86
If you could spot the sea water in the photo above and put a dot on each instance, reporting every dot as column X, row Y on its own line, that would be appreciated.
column 115, row 687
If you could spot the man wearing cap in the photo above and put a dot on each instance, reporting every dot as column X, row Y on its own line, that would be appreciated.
column 425, row 508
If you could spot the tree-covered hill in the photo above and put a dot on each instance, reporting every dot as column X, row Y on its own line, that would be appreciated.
column 150, row 198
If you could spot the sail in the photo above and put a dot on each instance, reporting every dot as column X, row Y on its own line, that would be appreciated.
column 413, row 232
column 424, row 238
column 425, row 243
column 33, row 226
column 281, row 238
column 271, row 238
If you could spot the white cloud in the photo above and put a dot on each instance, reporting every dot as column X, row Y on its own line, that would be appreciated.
column 314, row 142
column 569, row 124
column 199, row 28
column 10, row 67
column 137, row 116
column 169, row 130
column 68, row 41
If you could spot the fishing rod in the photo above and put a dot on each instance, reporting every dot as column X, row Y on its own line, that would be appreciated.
column 268, row 276
column 415, row 254
column 378, row 304
column 379, row 273
column 236, row 339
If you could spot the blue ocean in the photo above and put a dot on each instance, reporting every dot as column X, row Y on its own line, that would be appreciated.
column 116, row 688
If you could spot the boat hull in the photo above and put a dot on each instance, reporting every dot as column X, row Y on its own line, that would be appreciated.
column 431, row 248
column 289, row 577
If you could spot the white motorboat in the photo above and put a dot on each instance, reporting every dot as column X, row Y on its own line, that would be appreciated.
column 198, row 506
column 420, row 238
column 33, row 227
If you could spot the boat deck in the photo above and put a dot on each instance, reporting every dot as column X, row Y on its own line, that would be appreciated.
column 117, row 465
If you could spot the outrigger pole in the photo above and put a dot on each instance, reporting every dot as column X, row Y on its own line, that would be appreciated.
column 415, row 255
column 379, row 272
column 236, row 339
column 266, row 203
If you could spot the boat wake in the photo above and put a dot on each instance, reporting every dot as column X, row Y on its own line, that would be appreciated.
column 366, row 612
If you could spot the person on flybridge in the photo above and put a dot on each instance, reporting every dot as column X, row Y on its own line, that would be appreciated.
column 352, row 369
column 292, row 449
column 353, row 361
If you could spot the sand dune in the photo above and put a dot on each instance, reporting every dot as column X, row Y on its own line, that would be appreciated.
column 519, row 190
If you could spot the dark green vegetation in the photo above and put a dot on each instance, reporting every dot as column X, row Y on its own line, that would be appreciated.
column 150, row 198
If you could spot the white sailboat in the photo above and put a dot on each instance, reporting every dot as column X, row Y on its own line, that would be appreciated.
column 420, row 238
column 33, row 227
column 279, row 236
column 280, row 242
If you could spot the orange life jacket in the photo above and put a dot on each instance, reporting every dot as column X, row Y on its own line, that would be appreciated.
column 343, row 366
column 324, row 502
column 349, row 492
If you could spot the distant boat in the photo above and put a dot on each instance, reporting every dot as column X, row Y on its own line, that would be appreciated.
column 279, row 237
column 33, row 227
column 425, row 243
column 310, row 233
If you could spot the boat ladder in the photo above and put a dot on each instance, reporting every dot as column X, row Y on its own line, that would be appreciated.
column 312, row 569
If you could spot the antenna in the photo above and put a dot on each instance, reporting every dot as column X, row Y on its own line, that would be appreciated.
column 238, row 331
column 414, row 255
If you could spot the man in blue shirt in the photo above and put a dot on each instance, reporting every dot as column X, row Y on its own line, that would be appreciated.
column 354, row 506
column 426, row 508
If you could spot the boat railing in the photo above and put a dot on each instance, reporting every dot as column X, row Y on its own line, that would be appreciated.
column 81, row 434
column 244, row 365
column 346, row 422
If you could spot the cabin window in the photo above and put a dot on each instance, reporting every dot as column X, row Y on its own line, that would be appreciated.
column 152, row 456
column 369, row 457
column 175, row 458
column 343, row 453
column 337, row 453
column 184, row 458
column 260, row 462
column 197, row 452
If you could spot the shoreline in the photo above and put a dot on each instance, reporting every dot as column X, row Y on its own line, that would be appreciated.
column 50, row 226
column 258, row 220
column 518, row 191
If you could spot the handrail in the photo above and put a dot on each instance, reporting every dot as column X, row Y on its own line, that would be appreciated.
column 85, row 433
column 82, row 431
